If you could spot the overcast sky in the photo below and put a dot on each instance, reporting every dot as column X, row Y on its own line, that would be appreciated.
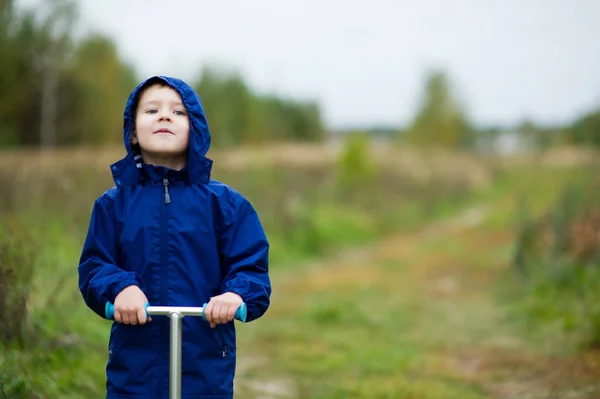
column 364, row 61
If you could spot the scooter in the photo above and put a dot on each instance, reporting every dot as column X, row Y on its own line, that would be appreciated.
column 176, row 314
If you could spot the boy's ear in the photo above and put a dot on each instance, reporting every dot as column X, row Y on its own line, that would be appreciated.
column 133, row 137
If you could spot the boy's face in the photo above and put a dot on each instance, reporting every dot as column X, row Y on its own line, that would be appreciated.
column 162, row 127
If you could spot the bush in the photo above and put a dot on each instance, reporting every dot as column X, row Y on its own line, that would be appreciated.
column 355, row 167
column 17, row 257
column 558, row 260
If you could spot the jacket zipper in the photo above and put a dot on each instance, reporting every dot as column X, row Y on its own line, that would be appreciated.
column 163, row 253
column 166, row 185
column 164, row 264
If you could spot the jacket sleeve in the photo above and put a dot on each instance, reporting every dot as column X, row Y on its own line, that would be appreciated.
column 100, row 278
column 244, row 251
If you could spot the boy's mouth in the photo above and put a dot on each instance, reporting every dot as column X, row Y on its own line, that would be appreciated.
column 164, row 131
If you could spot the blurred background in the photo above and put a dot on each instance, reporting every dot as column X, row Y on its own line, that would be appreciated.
column 427, row 174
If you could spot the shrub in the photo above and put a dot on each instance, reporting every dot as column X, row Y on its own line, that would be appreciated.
column 558, row 260
column 355, row 167
column 17, row 256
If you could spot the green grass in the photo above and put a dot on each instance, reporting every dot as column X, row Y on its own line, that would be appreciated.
column 529, row 191
column 373, row 328
column 390, row 323
column 62, row 350
column 65, row 349
column 425, row 324
column 368, row 331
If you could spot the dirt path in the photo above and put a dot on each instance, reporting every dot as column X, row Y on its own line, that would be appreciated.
column 459, row 324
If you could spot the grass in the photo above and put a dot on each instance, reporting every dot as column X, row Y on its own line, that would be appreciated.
column 387, row 291
column 406, row 321
column 420, row 315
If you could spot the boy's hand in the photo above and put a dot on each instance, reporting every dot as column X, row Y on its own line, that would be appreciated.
column 221, row 308
column 130, row 306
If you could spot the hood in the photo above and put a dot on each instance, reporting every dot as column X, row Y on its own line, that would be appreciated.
column 125, row 171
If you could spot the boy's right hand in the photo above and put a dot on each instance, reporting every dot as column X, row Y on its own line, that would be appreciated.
column 130, row 306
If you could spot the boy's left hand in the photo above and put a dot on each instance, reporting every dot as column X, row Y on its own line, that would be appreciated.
column 221, row 308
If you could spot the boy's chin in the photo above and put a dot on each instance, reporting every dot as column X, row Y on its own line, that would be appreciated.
column 175, row 154
column 164, row 150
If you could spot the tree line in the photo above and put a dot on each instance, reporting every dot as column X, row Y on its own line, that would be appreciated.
column 56, row 90
column 442, row 120
column 60, row 91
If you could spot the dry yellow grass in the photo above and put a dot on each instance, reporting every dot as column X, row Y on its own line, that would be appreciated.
column 422, row 166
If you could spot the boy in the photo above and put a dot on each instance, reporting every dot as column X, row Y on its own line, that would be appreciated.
column 169, row 235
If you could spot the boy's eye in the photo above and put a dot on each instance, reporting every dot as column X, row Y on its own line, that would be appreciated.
column 154, row 111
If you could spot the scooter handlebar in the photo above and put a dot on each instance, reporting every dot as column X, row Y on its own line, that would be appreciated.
column 240, row 314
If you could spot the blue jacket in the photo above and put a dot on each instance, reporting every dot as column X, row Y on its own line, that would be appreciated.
column 206, row 241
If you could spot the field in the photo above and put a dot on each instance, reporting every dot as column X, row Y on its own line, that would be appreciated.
column 392, row 274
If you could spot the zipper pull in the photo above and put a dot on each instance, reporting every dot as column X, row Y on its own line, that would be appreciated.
column 224, row 351
column 167, row 196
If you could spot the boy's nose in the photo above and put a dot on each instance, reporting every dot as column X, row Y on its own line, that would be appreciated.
column 164, row 117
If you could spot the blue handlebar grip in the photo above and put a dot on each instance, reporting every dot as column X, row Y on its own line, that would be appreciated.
column 240, row 314
column 109, row 310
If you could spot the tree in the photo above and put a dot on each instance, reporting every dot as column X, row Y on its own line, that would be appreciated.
column 54, row 46
column 95, row 88
column 586, row 130
column 440, row 121
column 237, row 115
column 18, row 34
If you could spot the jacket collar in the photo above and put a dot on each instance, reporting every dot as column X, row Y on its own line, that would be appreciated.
column 125, row 172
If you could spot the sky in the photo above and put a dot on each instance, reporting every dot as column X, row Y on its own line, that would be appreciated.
column 365, row 62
